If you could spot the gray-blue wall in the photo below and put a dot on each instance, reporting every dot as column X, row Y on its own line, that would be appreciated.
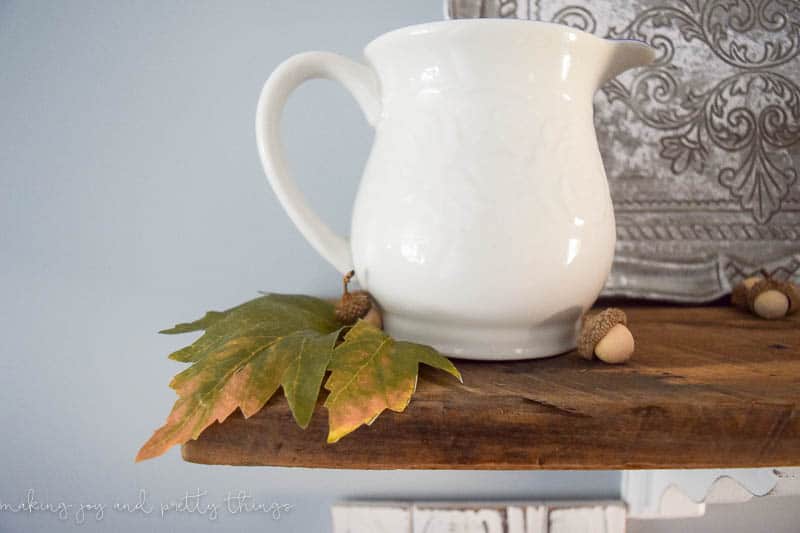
column 131, row 196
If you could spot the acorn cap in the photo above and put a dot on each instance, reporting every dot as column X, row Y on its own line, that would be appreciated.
column 739, row 296
column 597, row 327
column 793, row 292
column 740, row 291
column 768, row 284
column 352, row 306
column 373, row 316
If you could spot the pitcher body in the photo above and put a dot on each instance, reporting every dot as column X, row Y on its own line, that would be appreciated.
column 483, row 224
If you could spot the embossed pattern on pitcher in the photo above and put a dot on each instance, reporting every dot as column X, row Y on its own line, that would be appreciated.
column 703, row 147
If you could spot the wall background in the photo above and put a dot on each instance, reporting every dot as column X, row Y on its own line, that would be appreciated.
column 131, row 197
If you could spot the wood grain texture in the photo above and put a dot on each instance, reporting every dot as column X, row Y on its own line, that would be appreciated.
column 708, row 387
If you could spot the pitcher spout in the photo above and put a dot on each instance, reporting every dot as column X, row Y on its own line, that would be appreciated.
column 621, row 55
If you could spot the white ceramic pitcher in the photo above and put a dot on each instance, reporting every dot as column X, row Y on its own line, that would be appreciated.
column 483, row 224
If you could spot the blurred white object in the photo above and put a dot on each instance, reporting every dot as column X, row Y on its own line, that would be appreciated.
column 484, row 517
column 685, row 493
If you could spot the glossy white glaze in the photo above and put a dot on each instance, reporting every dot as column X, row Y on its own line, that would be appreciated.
column 478, row 244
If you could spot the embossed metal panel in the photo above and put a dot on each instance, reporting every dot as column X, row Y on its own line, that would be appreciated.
column 702, row 149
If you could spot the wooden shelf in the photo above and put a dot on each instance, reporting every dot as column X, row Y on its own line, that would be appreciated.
column 709, row 387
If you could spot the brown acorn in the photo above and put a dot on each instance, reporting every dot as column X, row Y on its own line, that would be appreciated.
column 740, row 292
column 607, row 337
column 373, row 317
column 772, row 299
column 352, row 305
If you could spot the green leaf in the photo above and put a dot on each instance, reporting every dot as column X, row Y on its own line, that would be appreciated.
column 244, row 355
column 372, row 372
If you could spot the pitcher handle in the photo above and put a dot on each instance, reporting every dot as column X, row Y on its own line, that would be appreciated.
column 362, row 83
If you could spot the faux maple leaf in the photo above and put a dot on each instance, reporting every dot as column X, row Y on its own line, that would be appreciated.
column 372, row 372
column 245, row 354
column 288, row 341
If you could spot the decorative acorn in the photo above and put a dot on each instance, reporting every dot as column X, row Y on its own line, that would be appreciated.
column 772, row 299
column 766, row 297
column 607, row 337
column 373, row 316
column 740, row 292
column 356, row 304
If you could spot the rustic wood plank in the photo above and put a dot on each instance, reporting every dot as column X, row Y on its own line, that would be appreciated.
column 709, row 387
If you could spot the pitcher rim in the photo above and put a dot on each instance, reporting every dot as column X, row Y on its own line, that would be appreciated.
column 427, row 28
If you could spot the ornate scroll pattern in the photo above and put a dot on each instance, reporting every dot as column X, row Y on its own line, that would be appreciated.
column 507, row 8
column 753, row 113
column 488, row 9
column 576, row 17
column 671, row 231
